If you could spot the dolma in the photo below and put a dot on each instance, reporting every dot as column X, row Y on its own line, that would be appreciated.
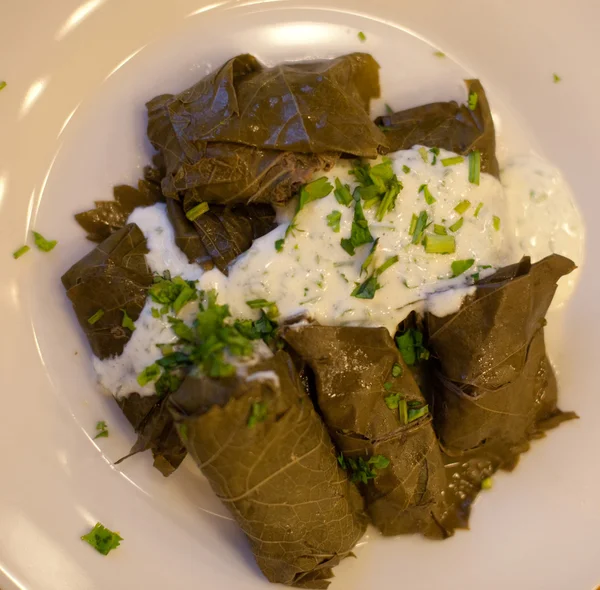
column 111, row 278
column 269, row 459
column 368, row 397
column 495, row 387
column 447, row 125
column 224, row 136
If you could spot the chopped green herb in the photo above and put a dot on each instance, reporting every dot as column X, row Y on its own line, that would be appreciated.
column 439, row 54
column 279, row 244
column 556, row 78
column 2, row 85
column 93, row 319
column 362, row 37
column 392, row 400
column 365, row 265
column 436, row 152
column 367, row 289
column 102, row 539
column 473, row 99
column 420, row 226
column 150, row 373
column 460, row 266
column 487, row 483
column 270, row 306
column 317, row 189
column 258, row 413
column 416, row 413
column 439, row 244
column 388, row 109
column 196, row 211
column 413, row 224
column 22, row 250
column 439, row 230
column 462, row 207
column 403, row 411
column 183, row 431
column 127, row 322
column 342, row 193
column 101, row 430
column 496, row 222
column 410, row 345
column 359, row 233
column 452, row 161
column 405, row 169
column 155, row 312
column 423, row 152
column 477, row 210
column 388, row 202
column 333, row 220
column 429, row 198
column 42, row 243
column 457, row 225
column 475, row 167
column 181, row 329
column 388, row 385
column 361, row 470
column 397, row 370
column 172, row 293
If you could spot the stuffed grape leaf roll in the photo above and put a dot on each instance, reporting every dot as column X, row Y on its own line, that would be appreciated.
column 268, row 457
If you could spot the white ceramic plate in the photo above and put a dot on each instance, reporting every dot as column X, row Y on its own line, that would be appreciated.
column 72, row 125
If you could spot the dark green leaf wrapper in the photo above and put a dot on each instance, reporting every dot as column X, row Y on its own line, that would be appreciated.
column 224, row 136
column 446, row 125
column 299, row 511
column 351, row 366
column 112, row 277
column 495, row 389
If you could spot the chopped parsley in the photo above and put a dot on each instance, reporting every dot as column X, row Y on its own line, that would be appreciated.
column 410, row 345
column 42, row 243
column 172, row 293
column 364, row 267
column 368, row 288
column 496, row 222
column 101, row 430
column 473, row 100
column 317, row 189
column 436, row 152
column 397, row 370
column 258, row 413
column 460, row 266
column 2, row 85
column 429, row 198
column 477, row 210
column 439, row 54
column 462, row 207
column 388, row 109
column 93, row 319
column 457, row 225
column 414, row 413
column 279, row 244
column 392, row 401
column 127, row 322
column 439, row 244
column 150, row 373
column 196, row 211
column 423, row 152
column 359, row 233
column 420, row 225
column 22, row 250
column 452, row 161
column 269, row 306
column 556, row 78
column 342, row 193
column 475, row 167
column 362, row 37
column 333, row 220
column 403, row 411
column 102, row 539
column 361, row 470
column 405, row 169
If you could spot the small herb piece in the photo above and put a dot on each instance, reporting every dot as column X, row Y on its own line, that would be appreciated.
column 196, row 211
column 317, row 189
column 269, row 306
column 462, row 207
column 392, row 400
column 362, row 37
column 477, row 210
column 473, row 99
column 362, row 470
column 475, row 167
column 258, row 413
column 333, row 220
column 439, row 54
column 279, row 244
column 2, row 85
column 496, row 222
column 439, row 244
column 388, row 202
column 42, row 243
column 102, row 539
column 359, row 233
column 436, row 152
column 342, row 193
column 410, row 345
column 452, row 161
column 413, row 224
column 388, row 109
column 429, row 198
column 93, row 319
column 420, row 226
column 403, row 411
column 556, row 78
column 172, row 293
column 22, row 250
column 367, row 289
column 416, row 413
column 487, row 483
column 388, row 385
column 460, row 266
column 101, row 430
column 439, row 230
column 365, row 265
column 405, row 169
column 127, row 322
column 397, row 370
column 423, row 152
column 457, row 225
column 150, row 373
column 183, row 431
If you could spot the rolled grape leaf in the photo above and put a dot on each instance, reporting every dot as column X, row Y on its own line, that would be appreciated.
column 222, row 135
column 373, row 407
column 269, row 459
column 447, row 125
column 111, row 278
column 156, row 430
column 496, row 389
column 110, row 216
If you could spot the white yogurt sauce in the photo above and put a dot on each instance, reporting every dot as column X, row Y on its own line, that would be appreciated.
column 314, row 277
